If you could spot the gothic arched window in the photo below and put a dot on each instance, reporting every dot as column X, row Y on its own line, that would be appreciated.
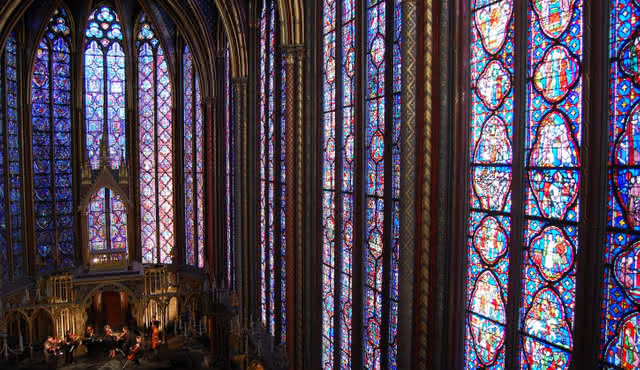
column 155, row 132
column 104, row 109
column 104, row 87
column 193, row 163
column 377, row 131
column 12, row 252
column 51, row 150
column 549, row 196
column 271, row 174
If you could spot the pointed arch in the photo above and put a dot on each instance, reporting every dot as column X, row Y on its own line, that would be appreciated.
column 104, row 86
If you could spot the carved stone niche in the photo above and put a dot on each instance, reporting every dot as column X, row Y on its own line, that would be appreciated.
column 106, row 240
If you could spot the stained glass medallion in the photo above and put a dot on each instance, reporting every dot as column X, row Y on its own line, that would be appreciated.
column 621, row 302
column 553, row 135
column 491, row 155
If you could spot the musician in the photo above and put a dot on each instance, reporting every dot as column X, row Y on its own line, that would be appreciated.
column 49, row 352
column 124, row 340
column 110, row 341
column 69, row 346
column 89, row 340
column 136, row 351
column 155, row 337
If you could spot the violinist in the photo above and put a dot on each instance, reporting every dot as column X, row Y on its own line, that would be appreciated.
column 110, row 341
column 124, row 340
column 50, row 352
column 89, row 340
column 136, row 351
column 69, row 345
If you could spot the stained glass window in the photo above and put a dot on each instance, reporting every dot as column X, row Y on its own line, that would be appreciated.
column 155, row 125
column 381, row 177
column 551, row 163
column 51, row 138
column 11, row 216
column 490, row 158
column 193, row 164
column 229, row 174
column 104, row 87
column 553, row 136
column 107, row 220
column 104, row 108
column 271, row 172
column 621, row 302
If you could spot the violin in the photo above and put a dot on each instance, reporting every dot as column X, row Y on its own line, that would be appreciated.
column 132, row 351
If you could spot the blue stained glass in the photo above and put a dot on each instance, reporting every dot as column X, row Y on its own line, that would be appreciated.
column 103, row 51
column 13, row 219
column 552, row 162
column 491, row 133
column 621, row 301
column 51, row 146
column 104, row 106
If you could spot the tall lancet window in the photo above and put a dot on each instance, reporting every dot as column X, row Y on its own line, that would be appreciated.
column 104, row 87
column 374, row 190
column 621, row 296
column 51, row 150
column 104, row 109
column 532, row 219
column 229, row 173
column 271, row 174
column 12, row 254
column 193, row 163
column 155, row 132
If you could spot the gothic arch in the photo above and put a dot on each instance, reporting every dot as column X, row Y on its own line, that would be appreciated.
column 31, row 58
column 235, row 25
column 110, row 287
column 291, row 21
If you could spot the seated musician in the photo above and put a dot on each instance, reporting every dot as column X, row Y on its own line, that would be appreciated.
column 136, row 351
column 110, row 341
column 51, row 352
column 89, row 340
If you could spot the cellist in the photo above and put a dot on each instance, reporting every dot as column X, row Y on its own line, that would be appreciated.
column 155, row 338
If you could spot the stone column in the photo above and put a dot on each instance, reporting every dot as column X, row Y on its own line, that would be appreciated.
column 208, row 108
column 242, row 192
column 300, row 54
column 407, row 185
column 290, row 53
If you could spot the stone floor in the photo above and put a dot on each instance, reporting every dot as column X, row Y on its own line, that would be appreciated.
column 171, row 356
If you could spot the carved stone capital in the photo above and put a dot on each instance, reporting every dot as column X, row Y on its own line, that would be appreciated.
column 293, row 52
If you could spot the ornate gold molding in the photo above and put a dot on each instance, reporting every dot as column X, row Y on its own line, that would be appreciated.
column 407, row 185
column 425, row 228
